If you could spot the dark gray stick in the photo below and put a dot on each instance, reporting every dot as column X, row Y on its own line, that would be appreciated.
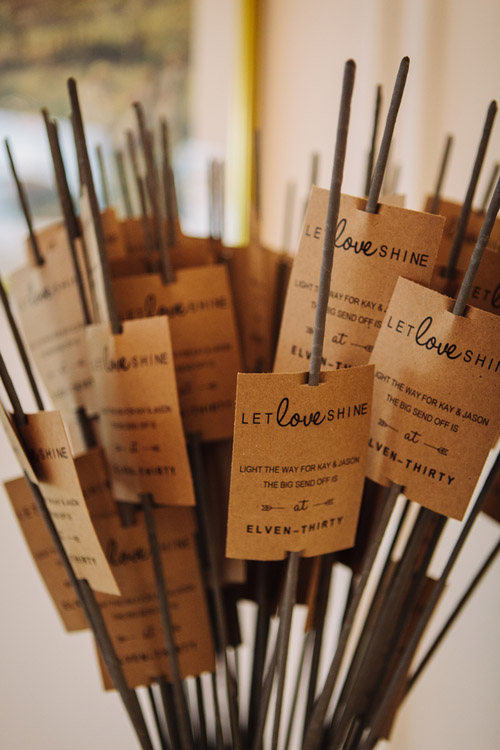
column 380, row 166
column 70, row 220
column 216, row 586
column 373, row 145
column 103, row 176
column 153, row 187
column 141, row 190
column 482, row 242
column 449, row 271
column 23, row 200
column 168, row 184
column 200, row 702
column 20, row 346
column 65, row 198
column 267, row 686
column 219, row 737
column 442, row 171
column 284, row 638
column 181, row 707
column 489, row 188
column 331, row 223
column 83, row 158
column 321, row 605
column 260, row 643
column 122, row 178
column 167, row 697
column 293, row 707
column 159, row 728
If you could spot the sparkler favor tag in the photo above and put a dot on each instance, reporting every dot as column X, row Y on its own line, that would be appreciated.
column 48, row 449
column 133, row 621
column 298, row 463
column 371, row 252
column 52, row 320
column 436, row 403
column 200, row 313
column 45, row 555
column 254, row 275
column 140, row 424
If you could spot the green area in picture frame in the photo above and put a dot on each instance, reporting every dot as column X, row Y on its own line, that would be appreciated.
column 119, row 51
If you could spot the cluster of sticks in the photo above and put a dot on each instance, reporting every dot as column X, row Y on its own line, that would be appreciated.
column 378, row 677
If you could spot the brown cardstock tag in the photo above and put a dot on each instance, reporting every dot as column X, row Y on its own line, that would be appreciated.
column 254, row 274
column 371, row 252
column 206, row 352
column 485, row 292
column 436, row 399
column 44, row 555
column 451, row 212
column 48, row 449
column 298, row 463
column 140, row 423
column 52, row 320
column 133, row 620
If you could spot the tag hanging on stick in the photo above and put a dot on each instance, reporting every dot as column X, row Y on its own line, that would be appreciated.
column 140, row 424
column 436, row 401
column 298, row 463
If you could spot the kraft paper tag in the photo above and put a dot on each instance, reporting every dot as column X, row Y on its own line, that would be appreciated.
column 485, row 292
column 298, row 463
column 206, row 353
column 48, row 449
column 436, row 399
column 140, row 424
column 133, row 621
column 44, row 555
column 254, row 272
column 371, row 252
column 51, row 316
column 451, row 212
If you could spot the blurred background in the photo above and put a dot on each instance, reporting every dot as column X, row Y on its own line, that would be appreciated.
column 215, row 75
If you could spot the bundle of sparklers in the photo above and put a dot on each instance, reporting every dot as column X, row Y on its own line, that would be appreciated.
column 184, row 489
